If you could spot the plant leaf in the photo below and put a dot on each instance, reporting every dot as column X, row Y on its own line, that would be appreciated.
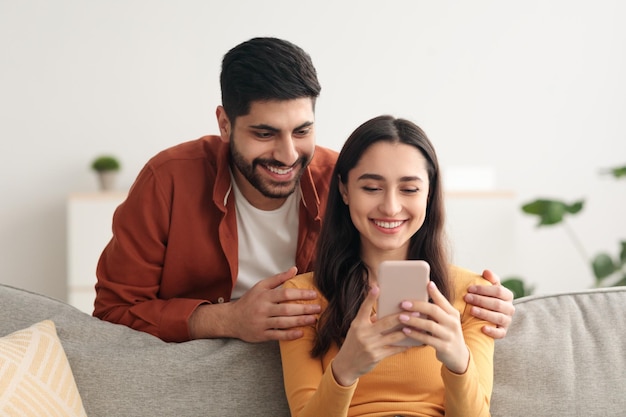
column 603, row 267
column 575, row 207
column 622, row 253
column 517, row 287
column 618, row 172
column 551, row 211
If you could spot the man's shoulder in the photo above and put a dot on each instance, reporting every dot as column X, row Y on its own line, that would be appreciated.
column 321, row 167
column 204, row 148
column 324, row 157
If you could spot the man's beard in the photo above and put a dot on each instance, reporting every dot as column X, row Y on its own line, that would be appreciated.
column 268, row 188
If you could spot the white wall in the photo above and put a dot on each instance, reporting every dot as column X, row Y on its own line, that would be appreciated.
column 533, row 89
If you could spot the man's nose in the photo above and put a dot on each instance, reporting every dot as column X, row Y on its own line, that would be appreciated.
column 286, row 151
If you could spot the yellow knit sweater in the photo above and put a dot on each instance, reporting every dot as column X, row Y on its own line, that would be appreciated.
column 412, row 383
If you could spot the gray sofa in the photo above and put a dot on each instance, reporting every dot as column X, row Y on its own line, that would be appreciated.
column 565, row 355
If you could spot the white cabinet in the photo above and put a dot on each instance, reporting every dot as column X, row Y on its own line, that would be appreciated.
column 89, row 219
column 480, row 226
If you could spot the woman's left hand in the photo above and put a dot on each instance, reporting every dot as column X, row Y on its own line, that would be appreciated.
column 437, row 324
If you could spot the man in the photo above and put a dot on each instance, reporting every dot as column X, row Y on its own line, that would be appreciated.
column 207, row 221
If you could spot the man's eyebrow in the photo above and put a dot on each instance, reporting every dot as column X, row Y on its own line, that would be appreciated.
column 303, row 125
column 263, row 126
column 377, row 177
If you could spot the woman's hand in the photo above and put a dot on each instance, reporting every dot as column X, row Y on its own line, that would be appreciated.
column 437, row 324
column 365, row 345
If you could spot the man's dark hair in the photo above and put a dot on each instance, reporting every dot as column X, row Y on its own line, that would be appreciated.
column 265, row 69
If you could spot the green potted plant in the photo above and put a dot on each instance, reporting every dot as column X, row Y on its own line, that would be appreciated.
column 106, row 166
column 608, row 270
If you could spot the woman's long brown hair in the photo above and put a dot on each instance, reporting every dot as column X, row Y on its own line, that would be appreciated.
column 340, row 274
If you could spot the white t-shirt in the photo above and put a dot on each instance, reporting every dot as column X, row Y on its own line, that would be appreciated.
column 267, row 239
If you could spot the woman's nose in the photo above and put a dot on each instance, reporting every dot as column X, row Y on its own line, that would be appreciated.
column 390, row 204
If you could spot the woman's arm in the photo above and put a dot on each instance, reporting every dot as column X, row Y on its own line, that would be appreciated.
column 310, row 386
column 472, row 389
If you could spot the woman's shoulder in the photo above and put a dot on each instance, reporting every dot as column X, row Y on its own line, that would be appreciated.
column 301, row 281
column 462, row 278
column 306, row 282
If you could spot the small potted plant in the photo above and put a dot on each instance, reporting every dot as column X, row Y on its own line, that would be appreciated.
column 106, row 166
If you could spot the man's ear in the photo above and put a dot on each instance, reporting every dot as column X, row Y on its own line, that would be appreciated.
column 343, row 191
column 223, row 123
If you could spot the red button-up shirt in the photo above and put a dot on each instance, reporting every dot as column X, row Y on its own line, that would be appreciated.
column 174, row 242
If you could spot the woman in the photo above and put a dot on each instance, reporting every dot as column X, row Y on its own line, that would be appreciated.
column 386, row 203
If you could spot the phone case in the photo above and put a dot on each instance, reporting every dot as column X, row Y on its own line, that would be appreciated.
column 399, row 281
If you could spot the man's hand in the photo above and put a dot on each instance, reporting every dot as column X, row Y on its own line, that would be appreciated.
column 261, row 314
column 493, row 303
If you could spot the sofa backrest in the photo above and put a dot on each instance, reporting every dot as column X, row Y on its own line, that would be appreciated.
column 564, row 355
column 123, row 372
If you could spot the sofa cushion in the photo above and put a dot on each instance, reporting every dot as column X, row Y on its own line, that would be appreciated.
column 564, row 355
column 35, row 376
column 123, row 372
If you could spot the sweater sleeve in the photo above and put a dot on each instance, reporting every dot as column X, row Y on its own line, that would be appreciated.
column 310, row 387
column 130, row 268
column 470, row 393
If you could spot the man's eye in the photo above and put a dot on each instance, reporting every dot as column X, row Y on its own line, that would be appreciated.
column 302, row 132
column 263, row 135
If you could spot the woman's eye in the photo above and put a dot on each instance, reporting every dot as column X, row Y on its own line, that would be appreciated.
column 410, row 190
column 371, row 189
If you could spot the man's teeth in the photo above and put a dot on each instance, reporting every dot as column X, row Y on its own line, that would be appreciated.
column 279, row 171
column 387, row 225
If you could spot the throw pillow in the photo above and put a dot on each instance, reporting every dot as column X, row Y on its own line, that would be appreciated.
column 35, row 375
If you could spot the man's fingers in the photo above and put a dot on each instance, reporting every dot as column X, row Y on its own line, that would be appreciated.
column 495, row 332
column 498, row 319
column 290, row 334
column 492, row 303
column 291, row 322
column 493, row 291
column 294, row 309
column 278, row 279
column 491, row 277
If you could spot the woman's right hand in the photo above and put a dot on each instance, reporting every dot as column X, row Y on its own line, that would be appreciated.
column 365, row 344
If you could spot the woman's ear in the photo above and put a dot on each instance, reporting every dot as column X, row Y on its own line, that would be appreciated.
column 223, row 123
column 343, row 191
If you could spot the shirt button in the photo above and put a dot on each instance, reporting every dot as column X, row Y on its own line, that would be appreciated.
column 220, row 300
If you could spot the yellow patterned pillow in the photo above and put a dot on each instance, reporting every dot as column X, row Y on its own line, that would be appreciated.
column 35, row 376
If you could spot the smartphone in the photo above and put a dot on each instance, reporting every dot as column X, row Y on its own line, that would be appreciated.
column 399, row 281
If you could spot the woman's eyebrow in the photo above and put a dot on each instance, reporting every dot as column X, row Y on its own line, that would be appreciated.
column 367, row 176
column 377, row 177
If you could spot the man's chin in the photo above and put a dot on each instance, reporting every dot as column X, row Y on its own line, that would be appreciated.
column 278, row 192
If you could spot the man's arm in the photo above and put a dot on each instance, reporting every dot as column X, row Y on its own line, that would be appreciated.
column 261, row 314
column 493, row 303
